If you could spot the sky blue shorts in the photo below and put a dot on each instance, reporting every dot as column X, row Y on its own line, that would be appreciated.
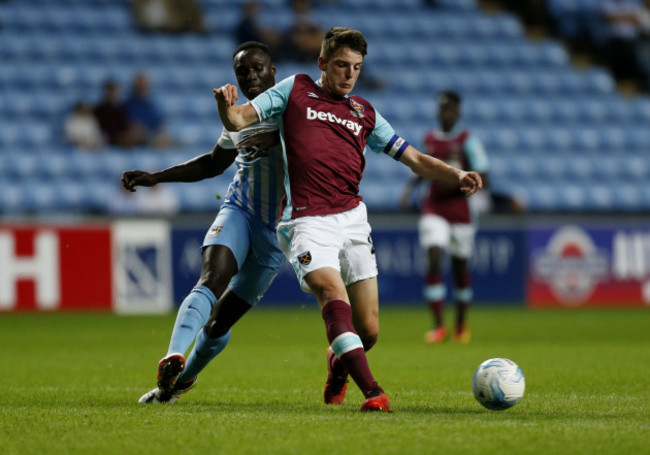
column 255, row 247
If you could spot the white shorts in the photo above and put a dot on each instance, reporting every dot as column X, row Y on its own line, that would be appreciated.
column 340, row 241
column 457, row 238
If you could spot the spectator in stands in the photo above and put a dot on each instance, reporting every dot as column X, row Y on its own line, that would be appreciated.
column 249, row 28
column 81, row 128
column 168, row 16
column 302, row 41
column 447, row 223
column 113, row 118
column 623, row 32
column 146, row 118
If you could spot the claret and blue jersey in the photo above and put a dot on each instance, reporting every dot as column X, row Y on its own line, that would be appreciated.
column 461, row 149
column 324, row 140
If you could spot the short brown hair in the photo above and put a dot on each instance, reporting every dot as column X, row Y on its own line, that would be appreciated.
column 338, row 37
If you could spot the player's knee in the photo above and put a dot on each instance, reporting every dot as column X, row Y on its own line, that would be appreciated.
column 368, row 342
column 324, row 289
column 215, row 281
column 368, row 331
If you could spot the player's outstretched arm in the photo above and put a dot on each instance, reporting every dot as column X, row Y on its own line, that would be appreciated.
column 234, row 117
column 432, row 168
column 199, row 168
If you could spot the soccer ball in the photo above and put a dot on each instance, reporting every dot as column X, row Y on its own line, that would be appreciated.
column 498, row 384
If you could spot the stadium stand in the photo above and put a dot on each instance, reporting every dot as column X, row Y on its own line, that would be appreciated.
column 560, row 138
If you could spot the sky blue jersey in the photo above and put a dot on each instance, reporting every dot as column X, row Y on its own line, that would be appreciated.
column 258, row 184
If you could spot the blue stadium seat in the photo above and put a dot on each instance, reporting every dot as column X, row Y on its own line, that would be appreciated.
column 599, row 198
column 641, row 109
column 379, row 196
column 53, row 166
column 84, row 166
column 9, row 135
column 636, row 168
column 606, row 168
column 202, row 197
column 550, row 168
column 12, row 199
column 541, row 198
column 629, row 197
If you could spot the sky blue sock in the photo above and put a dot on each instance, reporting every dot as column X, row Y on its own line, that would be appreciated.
column 192, row 315
column 205, row 349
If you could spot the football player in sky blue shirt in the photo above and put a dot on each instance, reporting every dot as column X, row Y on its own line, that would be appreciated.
column 241, row 256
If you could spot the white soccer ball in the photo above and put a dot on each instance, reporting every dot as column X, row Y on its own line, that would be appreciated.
column 498, row 384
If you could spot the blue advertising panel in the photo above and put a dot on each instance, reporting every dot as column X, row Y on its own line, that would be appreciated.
column 186, row 259
column 498, row 267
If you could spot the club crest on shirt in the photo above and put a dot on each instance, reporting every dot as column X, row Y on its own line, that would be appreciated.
column 358, row 109
column 215, row 230
column 304, row 258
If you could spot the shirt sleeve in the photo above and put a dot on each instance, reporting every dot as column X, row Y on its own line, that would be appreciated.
column 478, row 160
column 225, row 141
column 381, row 134
column 273, row 101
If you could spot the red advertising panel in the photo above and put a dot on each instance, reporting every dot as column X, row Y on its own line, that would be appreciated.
column 52, row 268
column 574, row 266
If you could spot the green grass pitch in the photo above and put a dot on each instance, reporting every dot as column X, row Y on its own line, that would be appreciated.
column 70, row 385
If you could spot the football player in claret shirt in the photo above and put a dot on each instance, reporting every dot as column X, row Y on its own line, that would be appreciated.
column 324, row 231
column 446, row 224
column 241, row 256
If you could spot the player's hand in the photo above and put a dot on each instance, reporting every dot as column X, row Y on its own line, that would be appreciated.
column 258, row 145
column 226, row 95
column 470, row 182
column 131, row 179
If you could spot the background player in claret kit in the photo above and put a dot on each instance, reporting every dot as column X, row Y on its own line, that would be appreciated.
column 446, row 224
column 324, row 230
column 240, row 251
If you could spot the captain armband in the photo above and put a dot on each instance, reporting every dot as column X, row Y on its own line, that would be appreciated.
column 396, row 147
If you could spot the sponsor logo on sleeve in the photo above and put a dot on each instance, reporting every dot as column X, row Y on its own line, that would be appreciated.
column 215, row 230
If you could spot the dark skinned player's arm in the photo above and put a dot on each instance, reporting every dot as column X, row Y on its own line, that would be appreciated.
column 199, row 168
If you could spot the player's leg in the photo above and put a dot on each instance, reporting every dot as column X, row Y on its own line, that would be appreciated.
column 328, row 287
column 245, row 290
column 435, row 292
column 364, row 301
column 364, row 298
column 313, row 246
column 218, row 267
column 461, row 248
column 224, row 247
column 463, row 298
column 434, row 232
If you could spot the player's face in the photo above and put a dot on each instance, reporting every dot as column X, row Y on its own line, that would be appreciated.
column 448, row 113
column 255, row 72
column 340, row 73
